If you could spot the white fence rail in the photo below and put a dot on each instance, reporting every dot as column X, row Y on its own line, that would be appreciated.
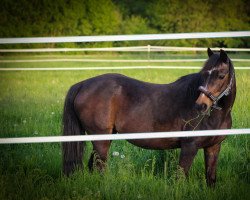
column 147, row 48
column 112, row 61
column 104, row 68
column 127, row 136
column 113, row 38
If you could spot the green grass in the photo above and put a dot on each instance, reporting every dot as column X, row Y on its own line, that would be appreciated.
column 117, row 55
column 110, row 56
column 31, row 105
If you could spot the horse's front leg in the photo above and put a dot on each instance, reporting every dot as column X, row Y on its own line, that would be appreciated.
column 188, row 152
column 211, row 157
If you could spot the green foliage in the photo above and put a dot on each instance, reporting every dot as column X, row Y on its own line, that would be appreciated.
column 135, row 25
column 58, row 18
column 26, row 18
column 199, row 16
column 103, row 16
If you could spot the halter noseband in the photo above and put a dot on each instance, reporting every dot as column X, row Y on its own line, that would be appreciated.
column 216, row 99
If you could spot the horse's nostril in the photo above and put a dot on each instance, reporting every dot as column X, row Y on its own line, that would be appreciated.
column 201, row 107
column 197, row 106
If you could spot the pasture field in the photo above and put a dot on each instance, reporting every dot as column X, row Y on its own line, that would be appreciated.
column 31, row 104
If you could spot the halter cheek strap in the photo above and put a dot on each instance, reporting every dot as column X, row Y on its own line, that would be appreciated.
column 214, row 99
column 207, row 93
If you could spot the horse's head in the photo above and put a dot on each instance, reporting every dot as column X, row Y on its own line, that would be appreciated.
column 217, row 75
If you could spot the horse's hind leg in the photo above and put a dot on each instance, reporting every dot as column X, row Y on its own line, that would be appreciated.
column 99, row 155
column 211, row 157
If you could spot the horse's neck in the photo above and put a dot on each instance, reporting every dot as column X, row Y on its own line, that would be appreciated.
column 185, row 92
column 180, row 99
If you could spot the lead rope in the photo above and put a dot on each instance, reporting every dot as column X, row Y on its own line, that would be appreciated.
column 188, row 122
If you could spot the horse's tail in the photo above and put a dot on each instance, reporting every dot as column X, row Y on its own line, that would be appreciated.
column 72, row 152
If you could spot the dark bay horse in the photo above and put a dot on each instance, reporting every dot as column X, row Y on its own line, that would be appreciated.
column 114, row 103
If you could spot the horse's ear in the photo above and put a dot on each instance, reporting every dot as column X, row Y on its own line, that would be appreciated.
column 223, row 56
column 209, row 52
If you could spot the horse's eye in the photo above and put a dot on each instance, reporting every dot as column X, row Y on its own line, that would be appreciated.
column 221, row 76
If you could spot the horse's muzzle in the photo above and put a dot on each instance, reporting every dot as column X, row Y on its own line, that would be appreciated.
column 201, row 107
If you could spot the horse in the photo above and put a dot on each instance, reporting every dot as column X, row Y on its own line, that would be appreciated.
column 114, row 103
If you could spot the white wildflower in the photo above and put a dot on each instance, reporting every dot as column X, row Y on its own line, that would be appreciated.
column 122, row 156
column 115, row 153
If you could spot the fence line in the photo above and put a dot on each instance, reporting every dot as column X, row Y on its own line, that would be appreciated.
column 163, row 48
column 105, row 68
column 147, row 48
column 113, row 38
column 108, row 60
column 114, row 49
column 127, row 136
column 113, row 61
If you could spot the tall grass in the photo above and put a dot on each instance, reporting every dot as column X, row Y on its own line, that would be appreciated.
column 31, row 105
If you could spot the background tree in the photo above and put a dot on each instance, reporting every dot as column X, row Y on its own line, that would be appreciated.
column 26, row 18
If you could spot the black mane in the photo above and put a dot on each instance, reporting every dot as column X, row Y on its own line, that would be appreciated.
column 186, row 88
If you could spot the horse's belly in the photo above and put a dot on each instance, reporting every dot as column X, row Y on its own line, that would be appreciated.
column 157, row 144
column 208, row 141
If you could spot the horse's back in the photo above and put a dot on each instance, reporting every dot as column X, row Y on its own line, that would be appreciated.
column 112, row 100
column 108, row 85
